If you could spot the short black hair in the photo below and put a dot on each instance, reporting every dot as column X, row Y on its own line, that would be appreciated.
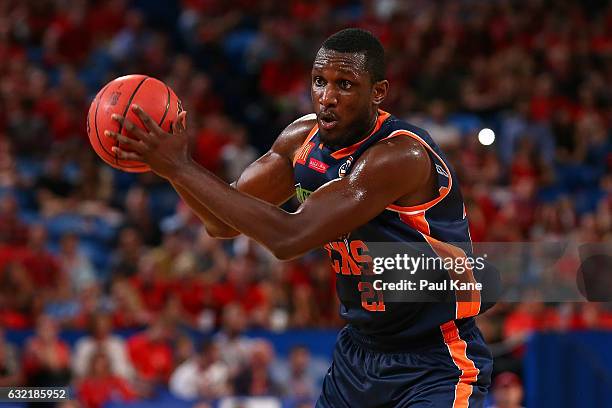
column 361, row 41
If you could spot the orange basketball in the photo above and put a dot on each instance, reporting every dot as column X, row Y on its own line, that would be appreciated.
column 152, row 95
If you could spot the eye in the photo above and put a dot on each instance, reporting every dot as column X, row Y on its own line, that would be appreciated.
column 318, row 81
column 345, row 84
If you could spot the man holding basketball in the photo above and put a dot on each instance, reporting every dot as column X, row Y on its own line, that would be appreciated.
column 362, row 176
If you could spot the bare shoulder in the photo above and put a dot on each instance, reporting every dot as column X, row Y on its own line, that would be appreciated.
column 402, row 167
column 294, row 135
column 401, row 155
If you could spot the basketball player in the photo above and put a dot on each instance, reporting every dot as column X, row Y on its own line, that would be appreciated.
column 362, row 175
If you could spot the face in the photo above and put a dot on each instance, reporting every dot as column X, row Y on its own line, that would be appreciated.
column 299, row 359
column 102, row 326
column 509, row 396
column 234, row 319
column 344, row 97
column 46, row 328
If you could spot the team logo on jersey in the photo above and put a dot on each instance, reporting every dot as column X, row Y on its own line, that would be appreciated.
column 441, row 171
column 301, row 193
column 344, row 169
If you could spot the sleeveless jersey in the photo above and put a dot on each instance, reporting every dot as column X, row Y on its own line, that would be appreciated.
column 433, row 225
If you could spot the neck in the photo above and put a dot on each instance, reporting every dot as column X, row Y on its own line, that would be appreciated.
column 370, row 128
column 358, row 135
column 372, row 124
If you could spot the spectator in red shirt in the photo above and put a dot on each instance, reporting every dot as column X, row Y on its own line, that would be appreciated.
column 210, row 140
column 43, row 268
column 587, row 316
column 240, row 287
column 151, row 352
column 106, row 18
column 128, row 308
column 530, row 316
column 12, row 230
column 152, row 288
column 507, row 390
column 283, row 76
column 193, row 294
column 46, row 359
column 18, row 297
column 68, row 38
column 101, row 386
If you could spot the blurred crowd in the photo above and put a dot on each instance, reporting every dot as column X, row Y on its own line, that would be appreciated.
column 83, row 246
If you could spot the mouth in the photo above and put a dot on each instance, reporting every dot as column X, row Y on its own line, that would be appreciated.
column 327, row 120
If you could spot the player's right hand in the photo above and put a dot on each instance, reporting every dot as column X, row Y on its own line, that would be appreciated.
column 165, row 153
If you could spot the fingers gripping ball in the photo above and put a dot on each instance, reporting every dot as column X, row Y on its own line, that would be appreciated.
column 154, row 97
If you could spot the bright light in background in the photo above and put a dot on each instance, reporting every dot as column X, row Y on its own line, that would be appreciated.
column 486, row 136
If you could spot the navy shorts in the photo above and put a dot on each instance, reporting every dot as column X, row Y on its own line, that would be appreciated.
column 456, row 373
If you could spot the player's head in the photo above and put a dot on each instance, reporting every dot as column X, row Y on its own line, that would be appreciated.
column 348, row 84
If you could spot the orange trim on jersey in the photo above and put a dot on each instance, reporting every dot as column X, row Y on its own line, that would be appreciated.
column 347, row 151
column 303, row 154
column 442, row 190
column 303, row 146
column 457, row 347
column 468, row 301
column 416, row 221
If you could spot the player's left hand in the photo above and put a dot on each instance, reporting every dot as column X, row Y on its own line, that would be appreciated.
column 165, row 153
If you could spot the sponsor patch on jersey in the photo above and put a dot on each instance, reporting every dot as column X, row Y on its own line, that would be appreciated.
column 317, row 165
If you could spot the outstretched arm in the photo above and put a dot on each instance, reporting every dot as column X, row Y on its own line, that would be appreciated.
column 270, row 178
column 389, row 171
column 214, row 226
column 334, row 209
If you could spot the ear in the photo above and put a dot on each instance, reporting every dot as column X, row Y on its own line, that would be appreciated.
column 379, row 91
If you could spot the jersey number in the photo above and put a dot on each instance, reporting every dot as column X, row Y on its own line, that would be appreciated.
column 368, row 294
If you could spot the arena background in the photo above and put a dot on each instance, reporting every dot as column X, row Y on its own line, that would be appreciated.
column 91, row 256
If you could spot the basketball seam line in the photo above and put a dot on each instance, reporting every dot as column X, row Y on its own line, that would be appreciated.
column 96, row 122
column 167, row 107
column 127, row 106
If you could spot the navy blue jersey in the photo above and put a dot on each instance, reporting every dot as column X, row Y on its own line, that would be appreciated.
column 434, row 225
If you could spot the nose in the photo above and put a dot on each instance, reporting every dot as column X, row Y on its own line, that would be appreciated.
column 328, row 96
